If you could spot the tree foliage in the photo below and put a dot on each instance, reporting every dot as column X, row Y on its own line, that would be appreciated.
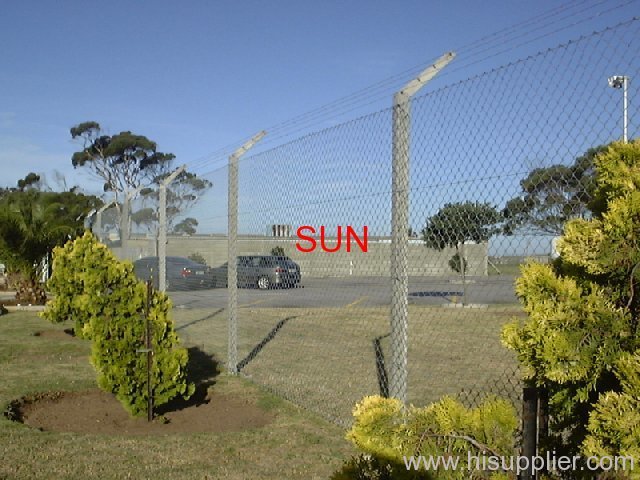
column 32, row 180
column 32, row 223
column 186, row 226
column 123, row 161
column 580, row 340
column 127, row 161
column 553, row 195
column 456, row 223
column 197, row 257
column 107, row 302
column 185, row 190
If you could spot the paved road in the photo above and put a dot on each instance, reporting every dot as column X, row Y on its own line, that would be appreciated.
column 357, row 291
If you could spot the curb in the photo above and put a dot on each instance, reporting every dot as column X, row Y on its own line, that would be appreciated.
column 469, row 305
column 25, row 308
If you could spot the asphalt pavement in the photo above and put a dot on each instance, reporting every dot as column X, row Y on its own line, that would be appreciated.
column 359, row 291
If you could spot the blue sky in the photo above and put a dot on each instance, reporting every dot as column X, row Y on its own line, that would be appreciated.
column 197, row 76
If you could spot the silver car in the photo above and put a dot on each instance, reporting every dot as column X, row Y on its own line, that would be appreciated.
column 262, row 271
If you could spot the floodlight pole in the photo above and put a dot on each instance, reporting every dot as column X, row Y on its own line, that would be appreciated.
column 400, row 226
column 625, row 109
column 232, row 251
column 622, row 82
column 125, row 220
column 162, row 228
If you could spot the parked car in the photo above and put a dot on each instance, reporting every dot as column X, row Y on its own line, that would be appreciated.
column 182, row 273
column 262, row 271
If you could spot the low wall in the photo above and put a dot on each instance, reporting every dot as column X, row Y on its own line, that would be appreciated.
column 375, row 262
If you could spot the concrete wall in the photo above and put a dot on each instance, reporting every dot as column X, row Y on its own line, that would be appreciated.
column 422, row 260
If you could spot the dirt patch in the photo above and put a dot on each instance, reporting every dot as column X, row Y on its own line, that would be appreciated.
column 97, row 412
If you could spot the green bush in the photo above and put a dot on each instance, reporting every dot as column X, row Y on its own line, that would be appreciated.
column 455, row 263
column 390, row 433
column 197, row 257
column 580, row 340
column 81, row 282
column 107, row 303
column 118, row 337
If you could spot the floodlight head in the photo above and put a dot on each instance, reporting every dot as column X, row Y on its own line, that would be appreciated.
column 617, row 81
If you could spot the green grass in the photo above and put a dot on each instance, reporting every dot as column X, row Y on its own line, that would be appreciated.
column 505, row 269
column 324, row 358
column 296, row 445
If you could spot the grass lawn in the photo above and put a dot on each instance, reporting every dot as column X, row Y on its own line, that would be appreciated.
column 324, row 358
column 297, row 444
column 505, row 269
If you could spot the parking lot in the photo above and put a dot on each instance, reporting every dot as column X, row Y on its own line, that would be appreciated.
column 358, row 291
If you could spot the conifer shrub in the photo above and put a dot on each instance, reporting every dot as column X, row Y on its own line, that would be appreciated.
column 107, row 303
column 81, row 283
column 118, row 338
column 580, row 340
column 388, row 434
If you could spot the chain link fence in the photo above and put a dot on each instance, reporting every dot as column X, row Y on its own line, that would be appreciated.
column 498, row 163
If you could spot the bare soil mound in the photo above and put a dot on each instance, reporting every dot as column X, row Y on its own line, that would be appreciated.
column 97, row 412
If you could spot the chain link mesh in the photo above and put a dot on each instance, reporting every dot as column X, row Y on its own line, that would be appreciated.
column 498, row 163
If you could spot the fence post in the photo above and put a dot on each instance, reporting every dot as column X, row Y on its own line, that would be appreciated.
column 400, row 226
column 529, row 428
column 543, row 422
column 232, row 253
column 162, row 228
column 98, row 224
column 149, row 348
column 124, row 222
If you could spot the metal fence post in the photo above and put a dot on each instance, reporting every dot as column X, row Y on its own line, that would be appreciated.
column 529, row 429
column 400, row 226
column 162, row 228
column 98, row 224
column 232, row 252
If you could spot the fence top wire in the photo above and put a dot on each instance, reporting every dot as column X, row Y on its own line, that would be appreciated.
column 325, row 155
column 505, row 36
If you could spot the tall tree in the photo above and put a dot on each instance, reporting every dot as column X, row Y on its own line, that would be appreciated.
column 553, row 195
column 31, row 181
column 456, row 223
column 186, row 227
column 127, row 161
column 182, row 194
column 123, row 161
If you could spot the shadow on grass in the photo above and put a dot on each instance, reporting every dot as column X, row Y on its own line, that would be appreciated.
column 270, row 336
column 198, row 320
column 436, row 293
column 202, row 371
column 381, row 367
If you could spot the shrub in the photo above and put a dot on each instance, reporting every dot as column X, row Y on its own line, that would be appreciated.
column 120, row 334
column 278, row 251
column 389, row 433
column 580, row 340
column 81, row 282
column 197, row 257
column 107, row 303
column 455, row 263
column 614, row 424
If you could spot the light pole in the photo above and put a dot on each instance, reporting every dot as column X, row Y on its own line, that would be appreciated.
column 622, row 81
